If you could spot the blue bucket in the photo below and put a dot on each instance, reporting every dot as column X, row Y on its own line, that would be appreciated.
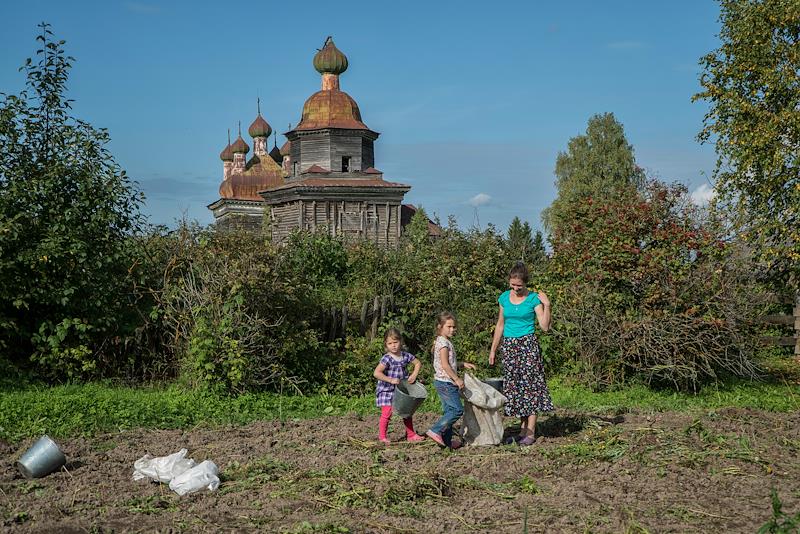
column 41, row 459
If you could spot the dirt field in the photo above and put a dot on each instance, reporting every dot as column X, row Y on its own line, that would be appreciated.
column 634, row 473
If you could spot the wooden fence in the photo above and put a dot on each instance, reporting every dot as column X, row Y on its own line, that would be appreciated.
column 372, row 313
column 789, row 321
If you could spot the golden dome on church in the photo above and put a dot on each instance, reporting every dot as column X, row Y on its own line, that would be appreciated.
column 225, row 189
column 262, row 173
column 331, row 109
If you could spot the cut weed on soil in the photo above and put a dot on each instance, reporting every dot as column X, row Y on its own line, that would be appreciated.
column 587, row 472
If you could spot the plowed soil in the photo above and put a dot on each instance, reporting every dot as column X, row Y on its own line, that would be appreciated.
column 660, row 472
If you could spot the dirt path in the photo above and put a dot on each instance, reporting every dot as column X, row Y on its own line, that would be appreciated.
column 664, row 472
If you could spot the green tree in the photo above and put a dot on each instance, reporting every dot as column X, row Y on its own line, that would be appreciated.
column 538, row 254
column 752, row 84
column 67, row 212
column 416, row 234
column 520, row 239
column 523, row 244
column 593, row 166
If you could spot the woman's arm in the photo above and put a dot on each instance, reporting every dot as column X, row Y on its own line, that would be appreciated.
column 380, row 376
column 444, row 359
column 543, row 311
column 498, row 335
column 413, row 376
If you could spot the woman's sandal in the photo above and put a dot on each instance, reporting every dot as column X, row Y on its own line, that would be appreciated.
column 527, row 440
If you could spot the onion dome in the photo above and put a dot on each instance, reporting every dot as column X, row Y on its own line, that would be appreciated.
column 259, row 128
column 239, row 146
column 225, row 189
column 331, row 109
column 227, row 153
column 275, row 154
column 330, row 59
column 246, row 186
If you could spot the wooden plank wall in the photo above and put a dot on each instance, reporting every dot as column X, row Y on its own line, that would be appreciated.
column 315, row 150
column 367, row 154
column 378, row 222
column 345, row 146
column 283, row 220
column 235, row 222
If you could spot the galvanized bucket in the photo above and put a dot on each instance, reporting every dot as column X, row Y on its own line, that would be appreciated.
column 407, row 398
column 41, row 459
column 496, row 383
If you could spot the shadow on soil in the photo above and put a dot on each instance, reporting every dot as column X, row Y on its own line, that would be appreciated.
column 560, row 426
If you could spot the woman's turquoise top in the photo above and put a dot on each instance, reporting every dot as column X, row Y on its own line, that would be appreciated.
column 518, row 319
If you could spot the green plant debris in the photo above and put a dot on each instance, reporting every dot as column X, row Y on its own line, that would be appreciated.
column 780, row 522
column 151, row 505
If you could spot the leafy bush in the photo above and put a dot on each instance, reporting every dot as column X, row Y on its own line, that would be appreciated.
column 236, row 316
column 463, row 272
column 647, row 288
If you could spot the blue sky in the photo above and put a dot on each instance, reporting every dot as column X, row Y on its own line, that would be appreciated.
column 473, row 100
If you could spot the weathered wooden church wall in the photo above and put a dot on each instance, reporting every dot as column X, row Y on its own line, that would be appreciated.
column 378, row 222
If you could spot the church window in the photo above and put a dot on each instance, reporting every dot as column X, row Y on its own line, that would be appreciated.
column 345, row 163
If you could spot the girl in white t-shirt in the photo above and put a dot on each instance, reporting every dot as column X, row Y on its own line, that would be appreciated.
column 447, row 382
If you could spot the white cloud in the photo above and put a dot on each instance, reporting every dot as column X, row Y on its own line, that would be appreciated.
column 703, row 195
column 481, row 199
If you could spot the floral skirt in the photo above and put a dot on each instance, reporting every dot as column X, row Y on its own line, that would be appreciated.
column 523, row 377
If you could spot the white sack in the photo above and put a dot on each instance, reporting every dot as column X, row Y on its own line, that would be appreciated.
column 203, row 475
column 162, row 468
column 483, row 413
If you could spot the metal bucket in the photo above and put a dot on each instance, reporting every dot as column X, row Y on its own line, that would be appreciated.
column 407, row 398
column 41, row 459
column 496, row 383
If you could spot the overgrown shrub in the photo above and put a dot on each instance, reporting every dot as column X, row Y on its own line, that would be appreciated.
column 463, row 272
column 238, row 319
column 645, row 287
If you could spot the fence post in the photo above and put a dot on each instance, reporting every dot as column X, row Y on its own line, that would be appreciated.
column 364, row 310
column 797, row 325
column 375, row 312
column 332, row 332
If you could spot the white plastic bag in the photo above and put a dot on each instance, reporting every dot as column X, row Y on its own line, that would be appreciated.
column 183, row 474
column 483, row 413
column 162, row 468
column 203, row 475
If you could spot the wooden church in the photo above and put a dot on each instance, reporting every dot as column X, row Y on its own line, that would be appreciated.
column 322, row 179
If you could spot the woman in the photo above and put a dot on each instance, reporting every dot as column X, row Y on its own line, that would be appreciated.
column 523, row 369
